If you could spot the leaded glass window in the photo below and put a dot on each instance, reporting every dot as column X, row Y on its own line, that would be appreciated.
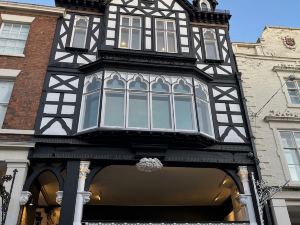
column 5, row 93
column 211, row 44
column 130, row 32
column 165, row 36
column 80, row 32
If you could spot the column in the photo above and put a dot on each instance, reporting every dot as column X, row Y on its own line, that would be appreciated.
column 82, row 196
column 246, row 198
column 280, row 212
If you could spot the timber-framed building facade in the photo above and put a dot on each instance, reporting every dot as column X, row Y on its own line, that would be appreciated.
column 142, row 119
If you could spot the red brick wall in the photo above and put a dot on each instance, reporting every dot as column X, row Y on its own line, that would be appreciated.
column 24, row 102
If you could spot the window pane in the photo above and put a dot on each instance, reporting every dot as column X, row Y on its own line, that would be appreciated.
column 125, row 21
column 291, row 85
column 160, row 25
column 136, row 39
column 204, row 117
column 91, row 110
column 170, row 26
column 94, row 85
column 2, row 114
column 160, row 42
column 211, row 50
column 171, row 42
column 291, row 157
column 160, row 86
column 161, row 112
column 115, row 83
column 200, row 93
column 114, row 109
column 138, row 85
column 138, row 111
column 79, row 38
column 182, row 88
column 184, row 113
column 294, row 95
column 297, row 136
column 124, row 38
column 287, row 139
column 136, row 22
column 294, row 172
column 5, row 91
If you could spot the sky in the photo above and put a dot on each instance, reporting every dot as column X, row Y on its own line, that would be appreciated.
column 249, row 17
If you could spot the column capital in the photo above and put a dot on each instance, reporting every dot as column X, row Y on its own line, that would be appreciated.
column 243, row 173
column 86, row 196
column 24, row 197
column 84, row 169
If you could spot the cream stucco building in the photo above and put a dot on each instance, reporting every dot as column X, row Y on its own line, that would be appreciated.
column 266, row 67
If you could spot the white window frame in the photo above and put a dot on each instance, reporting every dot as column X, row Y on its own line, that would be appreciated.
column 77, row 17
column 296, row 89
column 207, row 3
column 130, row 28
column 5, row 104
column 165, row 21
column 283, row 153
column 215, row 42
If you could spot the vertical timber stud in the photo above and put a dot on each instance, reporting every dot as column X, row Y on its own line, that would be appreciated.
column 246, row 198
column 69, row 193
column 82, row 196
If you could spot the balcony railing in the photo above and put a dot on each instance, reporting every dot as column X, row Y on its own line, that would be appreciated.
column 207, row 223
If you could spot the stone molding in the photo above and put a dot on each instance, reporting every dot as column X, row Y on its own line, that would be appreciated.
column 9, row 73
column 17, row 18
column 276, row 115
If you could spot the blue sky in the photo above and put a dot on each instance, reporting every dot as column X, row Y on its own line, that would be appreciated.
column 249, row 17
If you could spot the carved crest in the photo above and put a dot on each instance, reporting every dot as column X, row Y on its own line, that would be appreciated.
column 289, row 42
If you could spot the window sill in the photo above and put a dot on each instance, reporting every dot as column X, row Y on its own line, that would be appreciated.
column 13, row 55
column 294, row 184
column 73, row 49
column 291, row 105
column 16, row 131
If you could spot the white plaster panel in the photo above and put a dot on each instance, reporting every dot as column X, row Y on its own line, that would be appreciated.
column 110, row 34
column 182, row 15
column 220, row 107
column 182, row 22
column 69, row 97
column 237, row 118
column 68, row 60
column 183, row 30
column 68, row 109
column 55, row 129
column 148, row 22
column 50, row 109
column 111, row 24
column 234, row 107
column 113, row 8
column 184, row 40
column 96, row 19
column 185, row 49
column 222, row 118
column 148, row 43
column 53, row 97
column 110, row 42
column 233, row 137
column 112, row 16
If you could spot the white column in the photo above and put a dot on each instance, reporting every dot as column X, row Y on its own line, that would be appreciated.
column 247, row 197
column 14, row 204
column 82, row 196
column 280, row 212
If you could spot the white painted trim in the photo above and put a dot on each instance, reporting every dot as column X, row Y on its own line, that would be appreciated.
column 16, row 145
column 16, row 131
column 9, row 73
column 32, row 8
column 17, row 18
column 11, row 54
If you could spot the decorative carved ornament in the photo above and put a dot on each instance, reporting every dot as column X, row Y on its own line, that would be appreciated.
column 289, row 42
column 59, row 196
column 86, row 196
column 25, row 195
column 149, row 165
column 84, row 169
column 283, row 115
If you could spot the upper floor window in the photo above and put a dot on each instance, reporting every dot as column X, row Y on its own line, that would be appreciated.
column 211, row 44
column 291, row 146
column 205, row 5
column 13, row 37
column 5, row 90
column 79, row 32
column 165, row 31
column 147, row 102
column 294, row 91
column 130, row 32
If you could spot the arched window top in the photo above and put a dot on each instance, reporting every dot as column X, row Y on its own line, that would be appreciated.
column 183, row 88
column 205, row 5
column 160, row 86
column 201, row 93
column 210, row 34
column 138, row 84
column 94, row 85
column 115, row 83
column 82, row 22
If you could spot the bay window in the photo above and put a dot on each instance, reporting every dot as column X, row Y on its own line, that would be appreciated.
column 130, row 32
column 165, row 31
column 5, row 90
column 211, row 44
column 146, row 102
column 291, row 146
column 80, row 32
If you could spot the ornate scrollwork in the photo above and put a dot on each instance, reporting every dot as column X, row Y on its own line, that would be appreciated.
column 149, row 165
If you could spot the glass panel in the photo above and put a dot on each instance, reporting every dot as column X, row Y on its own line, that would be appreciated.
column 161, row 41
column 200, row 93
column 125, row 21
column 79, row 38
column 94, row 85
column 115, row 83
column 184, row 113
column 81, row 23
column 297, row 137
column 138, row 85
column 211, row 50
column 160, row 86
column 161, row 112
column 138, row 111
column 291, row 85
column 295, row 100
column 136, row 22
column 160, row 25
column 294, row 172
column 287, row 139
column 170, row 26
column 124, row 38
column 204, row 117
column 291, row 157
column 2, row 114
column 182, row 88
column 209, row 35
column 298, row 82
column 114, row 109
column 294, row 95
column 91, row 110
column 136, row 39
column 171, row 42
column 5, row 91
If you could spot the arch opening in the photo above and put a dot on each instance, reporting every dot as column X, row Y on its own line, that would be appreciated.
column 171, row 195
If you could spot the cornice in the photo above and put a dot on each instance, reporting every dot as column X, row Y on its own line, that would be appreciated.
column 283, row 116
column 290, row 68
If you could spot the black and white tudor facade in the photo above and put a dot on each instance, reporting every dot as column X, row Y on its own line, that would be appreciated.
column 142, row 119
